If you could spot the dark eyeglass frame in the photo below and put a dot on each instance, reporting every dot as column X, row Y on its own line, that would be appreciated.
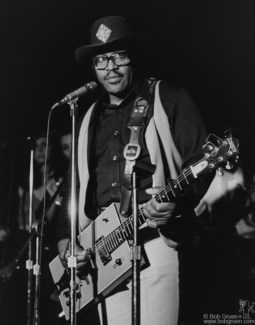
column 113, row 57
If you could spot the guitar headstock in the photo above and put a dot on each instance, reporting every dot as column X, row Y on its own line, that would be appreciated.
column 221, row 152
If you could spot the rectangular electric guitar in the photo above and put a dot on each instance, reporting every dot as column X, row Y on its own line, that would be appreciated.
column 106, row 237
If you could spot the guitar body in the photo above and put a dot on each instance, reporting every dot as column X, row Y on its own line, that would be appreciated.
column 109, row 270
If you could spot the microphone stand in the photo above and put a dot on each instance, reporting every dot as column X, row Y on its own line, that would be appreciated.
column 135, row 258
column 37, row 273
column 72, row 261
column 33, row 269
column 29, row 262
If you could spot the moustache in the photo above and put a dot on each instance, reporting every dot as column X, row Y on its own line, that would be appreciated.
column 109, row 76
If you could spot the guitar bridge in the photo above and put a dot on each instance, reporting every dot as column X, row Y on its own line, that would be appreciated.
column 103, row 251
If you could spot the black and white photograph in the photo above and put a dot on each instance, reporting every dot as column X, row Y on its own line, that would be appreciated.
column 127, row 162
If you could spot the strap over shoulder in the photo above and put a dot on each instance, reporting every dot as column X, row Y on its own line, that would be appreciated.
column 161, row 123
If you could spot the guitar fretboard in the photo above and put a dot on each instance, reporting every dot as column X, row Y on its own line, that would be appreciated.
column 125, row 230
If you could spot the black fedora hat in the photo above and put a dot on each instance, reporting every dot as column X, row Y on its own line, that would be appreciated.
column 109, row 33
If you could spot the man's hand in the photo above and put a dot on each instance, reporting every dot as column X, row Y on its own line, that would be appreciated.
column 51, row 186
column 158, row 214
column 82, row 256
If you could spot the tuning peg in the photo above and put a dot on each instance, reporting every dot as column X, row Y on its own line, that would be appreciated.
column 228, row 165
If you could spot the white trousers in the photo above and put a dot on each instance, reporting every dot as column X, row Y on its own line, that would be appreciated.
column 159, row 298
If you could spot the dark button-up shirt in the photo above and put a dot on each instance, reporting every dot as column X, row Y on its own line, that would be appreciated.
column 110, row 139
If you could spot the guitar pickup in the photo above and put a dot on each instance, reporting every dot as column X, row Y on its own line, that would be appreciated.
column 103, row 252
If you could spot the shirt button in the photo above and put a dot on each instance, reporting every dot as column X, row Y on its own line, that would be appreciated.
column 114, row 158
column 116, row 132
column 114, row 184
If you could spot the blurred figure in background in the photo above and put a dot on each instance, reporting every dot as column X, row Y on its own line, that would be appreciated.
column 53, row 172
column 219, row 258
column 245, row 234
column 245, row 227
column 66, row 148
column 66, row 144
column 54, row 169
column 52, row 181
column 3, row 233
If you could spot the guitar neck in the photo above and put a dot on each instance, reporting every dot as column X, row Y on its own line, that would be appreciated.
column 171, row 191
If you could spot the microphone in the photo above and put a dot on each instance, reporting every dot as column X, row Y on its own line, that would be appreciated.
column 76, row 94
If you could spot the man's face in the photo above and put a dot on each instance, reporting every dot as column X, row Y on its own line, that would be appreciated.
column 40, row 150
column 66, row 144
column 115, row 78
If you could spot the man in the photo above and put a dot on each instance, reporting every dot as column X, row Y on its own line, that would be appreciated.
column 171, row 139
column 66, row 145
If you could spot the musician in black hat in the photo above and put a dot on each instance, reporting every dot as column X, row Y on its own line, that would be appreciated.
column 164, row 132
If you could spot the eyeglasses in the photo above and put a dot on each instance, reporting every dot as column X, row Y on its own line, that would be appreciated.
column 119, row 58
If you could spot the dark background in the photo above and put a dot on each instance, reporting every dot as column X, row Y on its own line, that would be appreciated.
column 206, row 46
